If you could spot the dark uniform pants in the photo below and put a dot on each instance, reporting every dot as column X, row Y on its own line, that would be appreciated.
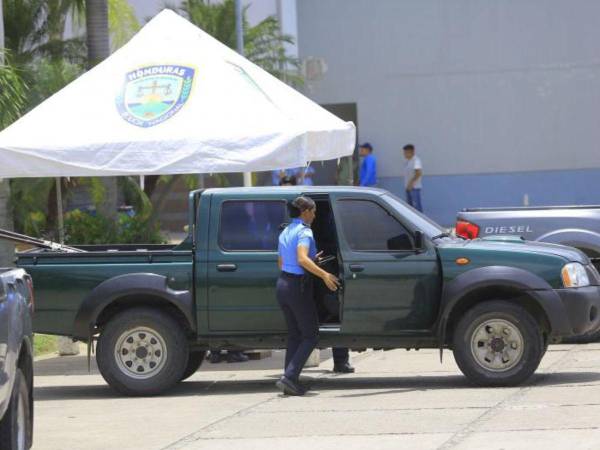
column 341, row 356
column 295, row 297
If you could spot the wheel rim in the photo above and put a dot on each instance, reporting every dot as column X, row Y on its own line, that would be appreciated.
column 140, row 353
column 497, row 345
column 21, row 423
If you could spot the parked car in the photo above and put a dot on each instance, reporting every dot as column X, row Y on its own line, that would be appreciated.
column 16, row 360
column 155, row 309
column 576, row 226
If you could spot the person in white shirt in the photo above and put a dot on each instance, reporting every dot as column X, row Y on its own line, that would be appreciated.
column 413, row 175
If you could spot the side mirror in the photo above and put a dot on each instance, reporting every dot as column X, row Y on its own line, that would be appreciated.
column 419, row 244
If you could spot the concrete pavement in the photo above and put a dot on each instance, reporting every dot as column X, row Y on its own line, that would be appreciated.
column 397, row 399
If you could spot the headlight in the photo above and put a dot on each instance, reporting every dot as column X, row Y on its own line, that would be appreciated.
column 574, row 275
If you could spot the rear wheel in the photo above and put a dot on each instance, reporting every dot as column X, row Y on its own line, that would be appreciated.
column 142, row 351
column 15, row 426
column 194, row 363
column 497, row 343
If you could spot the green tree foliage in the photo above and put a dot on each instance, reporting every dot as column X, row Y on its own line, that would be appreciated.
column 48, row 77
column 122, row 23
column 83, row 228
column 29, row 203
column 13, row 93
column 35, row 28
column 264, row 44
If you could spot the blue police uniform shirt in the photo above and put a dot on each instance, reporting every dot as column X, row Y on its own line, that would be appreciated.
column 295, row 234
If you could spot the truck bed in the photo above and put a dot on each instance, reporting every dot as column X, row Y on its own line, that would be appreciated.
column 65, row 279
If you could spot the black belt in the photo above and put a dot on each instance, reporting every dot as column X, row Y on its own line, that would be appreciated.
column 291, row 275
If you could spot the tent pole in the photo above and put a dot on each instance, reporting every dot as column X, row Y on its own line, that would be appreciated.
column 239, row 31
column 59, row 212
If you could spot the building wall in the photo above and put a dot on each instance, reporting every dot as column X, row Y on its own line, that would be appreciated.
column 500, row 98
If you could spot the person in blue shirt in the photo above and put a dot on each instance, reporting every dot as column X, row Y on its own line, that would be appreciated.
column 297, row 255
column 306, row 176
column 368, row 167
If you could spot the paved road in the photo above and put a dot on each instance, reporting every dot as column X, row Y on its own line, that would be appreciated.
column 397, row 399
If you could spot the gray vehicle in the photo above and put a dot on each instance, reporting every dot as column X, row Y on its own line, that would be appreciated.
column 575, row 226
column 16, row 360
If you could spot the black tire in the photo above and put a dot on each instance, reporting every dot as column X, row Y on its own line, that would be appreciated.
column 587, row 338
column 148, row 325
column 593, row 336
column 520, row 367
column 194, row 362
column 16, row 433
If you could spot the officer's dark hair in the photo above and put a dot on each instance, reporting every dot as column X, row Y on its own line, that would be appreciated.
column 409, row 147
column 299, row 205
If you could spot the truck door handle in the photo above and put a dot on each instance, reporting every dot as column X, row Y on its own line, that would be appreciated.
column 356, row 267
column 226, row 267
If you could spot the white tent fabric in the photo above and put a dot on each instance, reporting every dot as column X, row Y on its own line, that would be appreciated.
column 172, row 100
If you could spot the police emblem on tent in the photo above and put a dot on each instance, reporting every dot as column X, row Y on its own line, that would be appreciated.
column 153, row 94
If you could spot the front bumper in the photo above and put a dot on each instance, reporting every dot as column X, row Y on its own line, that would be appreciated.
column 582, row 308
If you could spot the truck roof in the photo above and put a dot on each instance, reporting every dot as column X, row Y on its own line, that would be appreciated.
column 299, row 189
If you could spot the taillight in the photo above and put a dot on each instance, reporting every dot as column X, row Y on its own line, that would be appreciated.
column 466, row 229
column 30, row 287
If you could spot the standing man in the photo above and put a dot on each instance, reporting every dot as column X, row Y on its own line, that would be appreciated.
column 413, row 173
column 368, row 167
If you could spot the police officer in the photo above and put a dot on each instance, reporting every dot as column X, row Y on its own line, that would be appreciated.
column 297, row 254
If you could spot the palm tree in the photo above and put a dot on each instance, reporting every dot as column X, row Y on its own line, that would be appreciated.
column 4, row 192
column 98, row 40
column 264, row 44
column 1, row 31
column 5, row 218
column 98, row 44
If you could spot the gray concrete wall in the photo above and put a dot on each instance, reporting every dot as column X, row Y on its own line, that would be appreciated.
column 478, row 85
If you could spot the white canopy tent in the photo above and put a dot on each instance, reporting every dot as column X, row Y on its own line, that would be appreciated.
column 172, row 100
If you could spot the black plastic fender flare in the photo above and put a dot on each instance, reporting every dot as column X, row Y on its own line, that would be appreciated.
column 125, row 285
column 502, row 276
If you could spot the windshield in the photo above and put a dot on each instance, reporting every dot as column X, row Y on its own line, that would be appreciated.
column 421, row 221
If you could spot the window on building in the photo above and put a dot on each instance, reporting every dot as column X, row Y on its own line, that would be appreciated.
column 369, row 227
column 251, row 225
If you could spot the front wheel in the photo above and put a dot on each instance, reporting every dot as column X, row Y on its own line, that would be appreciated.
column 497, row 343
column 15, row 426
column 142, row 351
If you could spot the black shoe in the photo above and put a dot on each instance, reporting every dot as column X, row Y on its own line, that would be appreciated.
column 236, row 357
column 343, row 368
column 289, row 387
column 305, row 385
column 215, row 357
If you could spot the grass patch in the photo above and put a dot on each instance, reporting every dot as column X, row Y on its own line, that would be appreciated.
column 44, row 344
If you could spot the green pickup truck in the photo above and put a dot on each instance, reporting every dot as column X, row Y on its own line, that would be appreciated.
column 496, row 302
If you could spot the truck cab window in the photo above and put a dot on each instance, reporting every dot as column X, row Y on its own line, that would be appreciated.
column 369, row 227
column 251, row 225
